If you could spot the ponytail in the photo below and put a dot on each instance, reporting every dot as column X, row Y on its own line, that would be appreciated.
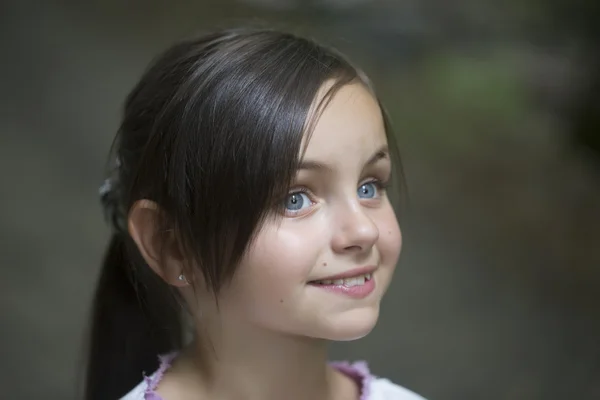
column 132, row 323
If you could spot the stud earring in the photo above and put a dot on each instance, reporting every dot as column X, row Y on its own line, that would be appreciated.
column 182, row 278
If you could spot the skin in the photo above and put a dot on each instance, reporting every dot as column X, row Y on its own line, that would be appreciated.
column 268, row 338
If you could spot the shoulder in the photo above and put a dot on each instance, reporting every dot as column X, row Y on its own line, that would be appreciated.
column 374, row 387
column 145, row 390
column 384, row 389
column 138, row 392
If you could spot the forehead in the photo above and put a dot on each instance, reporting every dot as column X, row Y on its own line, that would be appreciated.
column 351, row 123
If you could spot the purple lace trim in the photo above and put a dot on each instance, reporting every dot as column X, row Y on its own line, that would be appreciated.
column 153, row 380
column 358, row 371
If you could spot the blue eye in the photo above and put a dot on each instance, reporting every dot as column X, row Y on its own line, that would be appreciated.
column 297, row 201
column 368, row 190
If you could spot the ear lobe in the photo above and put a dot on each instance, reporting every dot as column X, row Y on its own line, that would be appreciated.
column 159, row 249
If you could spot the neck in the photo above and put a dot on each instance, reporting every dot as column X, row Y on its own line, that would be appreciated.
column 253, row 364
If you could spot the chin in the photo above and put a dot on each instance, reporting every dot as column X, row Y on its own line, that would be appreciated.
column 351, row 325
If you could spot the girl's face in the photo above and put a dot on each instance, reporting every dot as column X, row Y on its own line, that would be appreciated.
column 322, row 269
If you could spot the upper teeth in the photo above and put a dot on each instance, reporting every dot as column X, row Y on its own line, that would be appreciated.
column 348, row 282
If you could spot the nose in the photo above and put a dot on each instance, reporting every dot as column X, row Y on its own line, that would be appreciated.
column 355, row 230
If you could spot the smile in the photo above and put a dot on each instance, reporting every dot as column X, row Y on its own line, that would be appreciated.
column 348, row 282
column 357, row 286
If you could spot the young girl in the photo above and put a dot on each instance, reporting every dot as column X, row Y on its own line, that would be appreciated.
column 250, row 191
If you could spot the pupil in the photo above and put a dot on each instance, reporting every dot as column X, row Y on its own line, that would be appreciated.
column 367, row 191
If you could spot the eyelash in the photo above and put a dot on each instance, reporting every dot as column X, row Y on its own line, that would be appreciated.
column 381, row 185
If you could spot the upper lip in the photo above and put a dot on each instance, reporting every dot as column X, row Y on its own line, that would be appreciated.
column 349, row 274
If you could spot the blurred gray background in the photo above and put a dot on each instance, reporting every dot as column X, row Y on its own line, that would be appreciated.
column 496, row 106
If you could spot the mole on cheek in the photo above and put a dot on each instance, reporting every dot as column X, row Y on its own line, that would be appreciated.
column 324, row 264
column 281, row 300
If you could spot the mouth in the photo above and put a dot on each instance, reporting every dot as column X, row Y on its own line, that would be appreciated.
column 358, row 280
column 357, row 284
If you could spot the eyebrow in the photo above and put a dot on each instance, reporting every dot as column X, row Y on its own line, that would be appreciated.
column 380, row 154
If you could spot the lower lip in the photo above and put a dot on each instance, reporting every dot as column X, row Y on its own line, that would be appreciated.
column 356, row 292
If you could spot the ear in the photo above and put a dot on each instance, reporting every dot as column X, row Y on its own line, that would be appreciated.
column 160, row 249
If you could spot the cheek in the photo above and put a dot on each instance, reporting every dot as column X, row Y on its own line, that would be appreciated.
column 390, row 239
column 286, row 252
column 276, row 266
